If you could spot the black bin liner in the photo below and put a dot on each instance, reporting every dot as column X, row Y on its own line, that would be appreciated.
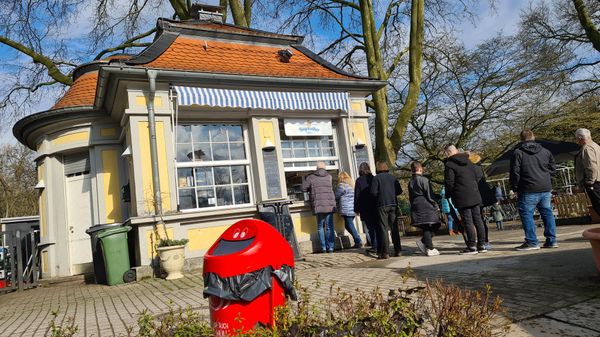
column 249, row 286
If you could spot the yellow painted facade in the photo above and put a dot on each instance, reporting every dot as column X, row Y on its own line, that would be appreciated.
column 358, row 132
column 45, row 262
column 108, row 132
column 110, row 179
column 83, row 136
column 203, row 238
column 147, row 187
column 141, row 101
column 151, row 240
column 355, row 106
column 266, row 132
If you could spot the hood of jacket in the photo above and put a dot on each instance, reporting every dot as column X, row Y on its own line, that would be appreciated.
column 460, row 159
column 321, row 172
column 530, row 147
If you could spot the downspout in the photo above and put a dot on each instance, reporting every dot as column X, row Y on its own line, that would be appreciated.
column 152, row 74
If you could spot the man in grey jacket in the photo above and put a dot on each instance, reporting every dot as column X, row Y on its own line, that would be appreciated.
column 587, row 166
column 320, row 186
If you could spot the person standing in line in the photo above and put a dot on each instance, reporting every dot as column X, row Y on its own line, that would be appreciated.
column 587, row 166
column 385, row 188
column 531, row 170
column 498, row 215
column 498, row 192
column 445, row 206
column 365, row 205
column 319, row 184
column 488, row 196
column 460, row 181
column 345, row 195
column 423, row 209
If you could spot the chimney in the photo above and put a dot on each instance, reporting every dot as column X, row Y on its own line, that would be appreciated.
column 205, row 12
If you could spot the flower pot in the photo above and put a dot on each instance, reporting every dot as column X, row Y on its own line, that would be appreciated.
column 172, row 259
column 593, row 234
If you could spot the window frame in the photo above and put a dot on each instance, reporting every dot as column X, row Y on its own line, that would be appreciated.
column 335, row 159
column 246, row 163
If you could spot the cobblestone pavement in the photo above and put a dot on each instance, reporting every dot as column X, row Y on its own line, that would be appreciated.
column 551, row 292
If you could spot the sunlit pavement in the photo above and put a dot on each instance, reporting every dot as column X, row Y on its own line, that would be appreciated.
column 548, row 292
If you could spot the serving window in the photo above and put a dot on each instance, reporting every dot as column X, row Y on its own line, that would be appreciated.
column 300, row 156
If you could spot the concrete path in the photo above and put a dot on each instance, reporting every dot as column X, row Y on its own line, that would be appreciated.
column 551, row 292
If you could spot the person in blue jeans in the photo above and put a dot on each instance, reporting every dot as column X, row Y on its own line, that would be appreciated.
column 319, row 184
column 531, row 170
column 344, row 193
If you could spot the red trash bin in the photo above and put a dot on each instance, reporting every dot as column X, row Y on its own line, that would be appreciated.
column 247, row 273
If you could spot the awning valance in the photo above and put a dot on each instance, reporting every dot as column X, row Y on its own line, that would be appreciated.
column 268, row 100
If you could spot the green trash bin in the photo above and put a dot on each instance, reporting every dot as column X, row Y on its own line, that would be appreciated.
column 116, row 253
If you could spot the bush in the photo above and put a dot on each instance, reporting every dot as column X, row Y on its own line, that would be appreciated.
column 432, row 310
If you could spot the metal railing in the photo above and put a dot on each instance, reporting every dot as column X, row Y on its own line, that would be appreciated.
column 21, row 259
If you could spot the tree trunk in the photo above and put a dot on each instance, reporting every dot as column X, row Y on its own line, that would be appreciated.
column 181, row 9
column 237, row 11
column 586, row 22
column 417, row 27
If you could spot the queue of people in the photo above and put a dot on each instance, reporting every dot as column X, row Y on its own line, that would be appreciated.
column 464, row 195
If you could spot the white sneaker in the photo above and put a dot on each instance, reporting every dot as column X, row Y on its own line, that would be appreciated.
column 433, row 252
column 421, row 246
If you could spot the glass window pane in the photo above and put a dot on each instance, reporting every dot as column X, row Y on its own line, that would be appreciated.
column 222, row 175
column 184, row 153
column 238, row 174
column 328, row 152
column 235, row 133
column 220, row 152
column 218, row 133
column 183, row 133
column 187, row 199
column 299, row 153
column 237, row 151
column 185, row 177
column 325, row 143
column 313, row 143
column 204, row 176
column 314, row 153
column 298, row 144
column 202, row 152
column 200, row 133
column 241, row 194
column 285, row 144
column 286, row 153
column 206, row 197
column 224, row 196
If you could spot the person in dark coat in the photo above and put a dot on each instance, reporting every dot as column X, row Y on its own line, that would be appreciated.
column 488, row 195
column 385, row 188
column 365, row 205
column 531, row 170
column 423, row 209
column 460, row 180
column 319, row 184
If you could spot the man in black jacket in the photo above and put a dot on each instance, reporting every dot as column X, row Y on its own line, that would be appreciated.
column 531, row 170
column 385, row 188
column 460, row 182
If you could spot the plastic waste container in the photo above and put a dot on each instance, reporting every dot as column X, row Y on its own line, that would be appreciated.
column 97, row 256
column 115, row 252
column 248, row 272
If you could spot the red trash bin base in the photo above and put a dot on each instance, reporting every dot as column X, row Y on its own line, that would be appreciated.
column 2, row 284
column 229, row 317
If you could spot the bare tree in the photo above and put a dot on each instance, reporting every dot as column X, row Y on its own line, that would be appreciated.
column 17, row 180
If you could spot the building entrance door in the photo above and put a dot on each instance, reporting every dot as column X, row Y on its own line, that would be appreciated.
column 79, row 218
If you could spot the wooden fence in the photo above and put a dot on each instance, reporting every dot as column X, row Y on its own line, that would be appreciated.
column 572, row 206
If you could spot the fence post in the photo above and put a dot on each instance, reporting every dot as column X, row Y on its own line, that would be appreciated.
column 19, row 260
column 34, row 259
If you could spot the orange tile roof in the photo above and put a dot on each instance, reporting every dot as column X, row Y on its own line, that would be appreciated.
column 81, row 93
column 236, row 58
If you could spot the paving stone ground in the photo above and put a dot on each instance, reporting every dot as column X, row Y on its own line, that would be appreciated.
column 551, row 292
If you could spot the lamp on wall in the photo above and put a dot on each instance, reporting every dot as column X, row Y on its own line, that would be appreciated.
column 359, row 143
column 268, row 145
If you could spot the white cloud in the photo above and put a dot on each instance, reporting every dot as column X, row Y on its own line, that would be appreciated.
column 503, row 18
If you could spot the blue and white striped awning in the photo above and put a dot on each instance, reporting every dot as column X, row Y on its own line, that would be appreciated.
column 268, row 100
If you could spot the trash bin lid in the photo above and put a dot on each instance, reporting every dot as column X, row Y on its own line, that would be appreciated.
column 100, row 227
column 114, row 231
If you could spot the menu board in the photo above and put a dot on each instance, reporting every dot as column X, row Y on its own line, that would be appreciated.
column 271, row 167
column 361, row 155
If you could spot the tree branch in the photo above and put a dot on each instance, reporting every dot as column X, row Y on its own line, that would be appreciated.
column 127, row 44
column 587, row 24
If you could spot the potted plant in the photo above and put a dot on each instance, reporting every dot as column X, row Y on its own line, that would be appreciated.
column 593, row 234
column 172, row 256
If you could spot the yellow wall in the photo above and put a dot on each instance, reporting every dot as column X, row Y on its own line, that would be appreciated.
column 42, row 202
column 308, row 223
column 110, row 179
column 203, row 238
column 73, row 137
column 358, row 132
column 108, row 132
column 141, row 101
column 151, row 239
column 147, row 166
column 266, row 132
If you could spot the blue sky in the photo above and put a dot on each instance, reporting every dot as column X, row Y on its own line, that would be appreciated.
column 504, row 18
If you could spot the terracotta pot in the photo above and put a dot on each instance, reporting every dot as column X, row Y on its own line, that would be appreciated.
column 172, row 259
column 593, row 234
